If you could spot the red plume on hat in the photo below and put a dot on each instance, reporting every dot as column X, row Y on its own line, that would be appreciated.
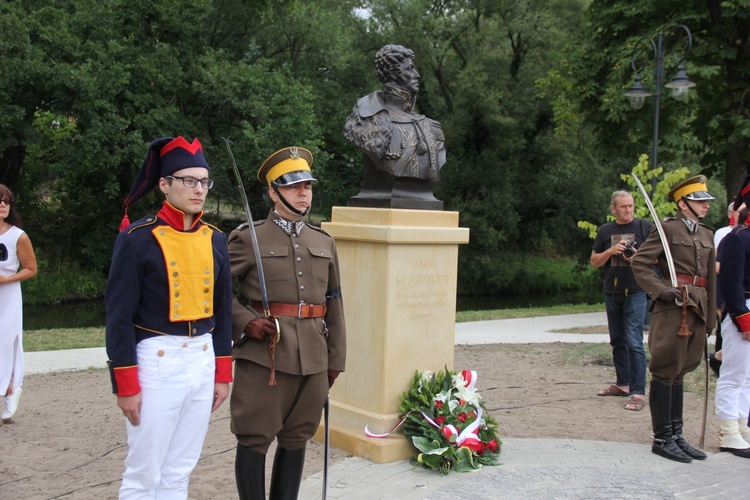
column 743, row 195
column 165, row 156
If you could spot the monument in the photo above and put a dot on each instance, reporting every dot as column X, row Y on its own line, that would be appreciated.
column 398, row 256
column 403, row 151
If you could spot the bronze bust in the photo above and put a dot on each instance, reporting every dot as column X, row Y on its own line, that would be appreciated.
column 404, row 151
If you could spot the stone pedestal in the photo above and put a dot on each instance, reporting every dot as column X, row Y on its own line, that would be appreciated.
column 398, row 280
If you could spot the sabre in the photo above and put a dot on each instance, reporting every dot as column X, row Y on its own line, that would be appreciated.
column 326, row 445
column 702, row 441
column 254, row 238
column 660, row 230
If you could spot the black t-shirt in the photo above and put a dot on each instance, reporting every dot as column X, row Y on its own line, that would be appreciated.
column 618, row 277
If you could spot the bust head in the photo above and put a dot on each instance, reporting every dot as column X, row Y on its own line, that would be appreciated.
column 395, row 65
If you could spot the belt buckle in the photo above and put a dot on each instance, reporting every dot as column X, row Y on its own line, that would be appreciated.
column 299, row 309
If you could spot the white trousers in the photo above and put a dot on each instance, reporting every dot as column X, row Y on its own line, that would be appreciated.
column 177, row 385
column 733, row 387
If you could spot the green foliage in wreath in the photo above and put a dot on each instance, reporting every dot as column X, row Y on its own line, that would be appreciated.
column 447, row 422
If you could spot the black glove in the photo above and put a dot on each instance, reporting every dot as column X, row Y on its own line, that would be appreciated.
column 671, row 295
column 260, row 328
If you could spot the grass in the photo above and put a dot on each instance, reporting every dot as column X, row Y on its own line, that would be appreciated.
column 78, row 338
column 530, row 312
column 62, row 338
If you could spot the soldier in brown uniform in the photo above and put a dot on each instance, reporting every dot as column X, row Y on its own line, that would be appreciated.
column 300, row 264
column 677, row 336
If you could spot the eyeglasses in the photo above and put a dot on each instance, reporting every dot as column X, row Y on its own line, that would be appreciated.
column 191, row 182
column 6, row 201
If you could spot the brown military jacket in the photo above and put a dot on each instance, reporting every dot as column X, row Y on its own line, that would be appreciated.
column 693, row 255
column 298, row 268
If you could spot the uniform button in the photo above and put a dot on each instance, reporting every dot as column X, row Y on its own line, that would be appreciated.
column 160, row 353
column 195, row 330
column 176, row 284
column 299, row 273
column 173, row 263
column 176, row 305
column 302, row 287
column 149, row 219
column 322, row 253
column 207, row 272
column 205, row 310
column 184, row 345
column 205, row 290
column 205, row 231
column 298, row 259
column 176, row 294
column 175, row 274
column 161, row 232
column 272, row 252
column 176, row 315
column 206, row 282
column 205, row 347
column 296, row 245
column 205, row 302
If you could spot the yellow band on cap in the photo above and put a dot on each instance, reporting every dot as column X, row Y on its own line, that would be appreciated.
column 286, row 166
column 690, row 188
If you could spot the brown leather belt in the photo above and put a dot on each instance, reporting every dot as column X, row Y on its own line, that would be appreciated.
column 302, row 311
column 686, row 279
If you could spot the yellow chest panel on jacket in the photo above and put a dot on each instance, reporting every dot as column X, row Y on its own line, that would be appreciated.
column 189, row 262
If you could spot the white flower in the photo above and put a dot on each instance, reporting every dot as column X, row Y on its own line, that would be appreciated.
column 441, row 396
column 468, row 394
column 425, row 378
column 458, row 380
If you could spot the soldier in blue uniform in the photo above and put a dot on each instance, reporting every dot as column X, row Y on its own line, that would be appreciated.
column 733, row 387
column 169, row 316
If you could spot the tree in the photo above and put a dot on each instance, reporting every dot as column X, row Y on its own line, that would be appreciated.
column 708, row 134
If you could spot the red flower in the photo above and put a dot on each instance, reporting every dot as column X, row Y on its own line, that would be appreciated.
column 440, row 420
column 439, row 404
column 462, row 417
column 492, row 445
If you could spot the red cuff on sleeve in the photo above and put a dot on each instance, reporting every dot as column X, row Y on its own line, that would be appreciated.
column 127, row 381
column 223, row 369
column 744, row 322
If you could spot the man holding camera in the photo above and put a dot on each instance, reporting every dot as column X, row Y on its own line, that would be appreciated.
column 616, row 243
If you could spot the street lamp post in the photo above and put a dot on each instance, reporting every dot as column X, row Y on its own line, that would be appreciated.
column 680, row 84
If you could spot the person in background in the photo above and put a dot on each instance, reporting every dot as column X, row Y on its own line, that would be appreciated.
column 614, row 247
column 282, row 377
column 169, row 322
column 17, row 263
column 734, row 217
column 733, row 387
column 682, row 315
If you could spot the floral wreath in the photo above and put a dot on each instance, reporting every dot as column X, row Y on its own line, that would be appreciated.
column 445, row 418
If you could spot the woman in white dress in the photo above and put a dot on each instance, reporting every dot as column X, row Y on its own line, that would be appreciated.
column 17, row 263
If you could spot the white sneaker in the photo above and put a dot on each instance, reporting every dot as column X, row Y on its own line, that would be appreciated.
column 11, row 403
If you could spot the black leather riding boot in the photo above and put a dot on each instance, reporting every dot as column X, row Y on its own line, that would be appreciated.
column 677, row 402
column 660, row 402
column 287, row 474
column 250, row 473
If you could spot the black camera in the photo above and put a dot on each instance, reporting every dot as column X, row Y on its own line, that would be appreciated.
column 629, row 250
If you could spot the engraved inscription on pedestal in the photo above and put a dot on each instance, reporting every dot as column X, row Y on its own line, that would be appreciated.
column 422, row 293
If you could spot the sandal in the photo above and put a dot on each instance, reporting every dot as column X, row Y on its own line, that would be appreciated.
column 635, row 404
column 612, row 390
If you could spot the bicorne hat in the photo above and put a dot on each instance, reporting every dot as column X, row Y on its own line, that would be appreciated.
column 165, row 156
